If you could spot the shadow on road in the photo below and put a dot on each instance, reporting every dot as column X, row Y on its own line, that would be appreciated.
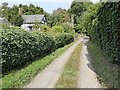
column 86, row 40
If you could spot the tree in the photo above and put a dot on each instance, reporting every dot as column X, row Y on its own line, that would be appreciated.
column 60, row 16
column 49, row 18
column 5, row 10
column 14, row 17
column 87, row 18
column 67, row 28
column 32, row 9
column 16, row 20
column 77, row 9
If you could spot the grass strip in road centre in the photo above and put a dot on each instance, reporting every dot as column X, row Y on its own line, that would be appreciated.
column 69, row 77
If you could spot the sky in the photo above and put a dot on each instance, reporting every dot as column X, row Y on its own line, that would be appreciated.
column 47, row 5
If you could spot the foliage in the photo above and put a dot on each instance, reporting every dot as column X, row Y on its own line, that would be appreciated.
column 20, row 78
column 20, row 47
column 45, row 28
column 36, row 25
column 60, row 16
column 63, row 39
column 58, row 28
column 32, row 9
column 106, row 30
column 49, row 18
column 16, row 20
column 102, row 22
column 86, row 19
column 77, row 8
column 107, row 72
column 5, row 25
column 13, row 15
column 67, row 27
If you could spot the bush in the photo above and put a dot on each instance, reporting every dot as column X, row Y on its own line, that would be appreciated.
column 58, row 29
column 20, row 47
column 63, row 39
column 45, row 28
column 67, row 28
column 102, row 21
column 108, row 73
column 106, row 31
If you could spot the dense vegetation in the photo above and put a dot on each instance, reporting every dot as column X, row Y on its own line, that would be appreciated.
column 107, row 30
column 76, row 10
column 13, row 15
column 101, row 21
column 108, row 73
column 20, row 47
column 20, row 78
column 60, row 16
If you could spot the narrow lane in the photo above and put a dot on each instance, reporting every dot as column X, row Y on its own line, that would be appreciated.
column 49, row 76
column 87, row 76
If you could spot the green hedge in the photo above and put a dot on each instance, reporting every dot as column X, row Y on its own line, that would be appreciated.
column 20, row 47
column 106, row 29
column 102, row 21
column 63, row 39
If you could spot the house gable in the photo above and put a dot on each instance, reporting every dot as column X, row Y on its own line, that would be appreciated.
column 30, row 20
column 34, row 18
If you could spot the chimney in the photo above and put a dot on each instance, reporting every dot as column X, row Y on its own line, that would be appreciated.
column 20, row 10
column 72, row 20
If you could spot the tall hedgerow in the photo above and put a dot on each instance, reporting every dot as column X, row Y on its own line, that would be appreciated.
column 20, row 47
column 106, row 30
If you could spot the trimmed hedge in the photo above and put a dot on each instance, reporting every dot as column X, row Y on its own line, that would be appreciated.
column 102, row 21
column 63, row 39
column 20, row 47
column 105, row 29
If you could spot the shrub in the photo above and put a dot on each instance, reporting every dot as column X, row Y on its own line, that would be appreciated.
column 102, row 21
column 106, row 30
column 20, row 47
column 58, row 29
column 108, row 73
column 45, row 28
column 67, row 28
column 63, row 39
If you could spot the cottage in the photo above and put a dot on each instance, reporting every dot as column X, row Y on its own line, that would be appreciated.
column 30, row 21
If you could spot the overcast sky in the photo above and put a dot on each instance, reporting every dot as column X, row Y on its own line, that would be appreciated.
column 47, row 5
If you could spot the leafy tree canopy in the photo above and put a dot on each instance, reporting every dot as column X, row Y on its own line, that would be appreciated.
column 61, row 16
column 12, row 13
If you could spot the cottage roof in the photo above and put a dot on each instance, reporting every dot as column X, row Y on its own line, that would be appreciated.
column 32, row 18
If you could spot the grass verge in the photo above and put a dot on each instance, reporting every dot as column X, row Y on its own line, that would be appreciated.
column 107, row 71
column 69, row 77
column 21, row 77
